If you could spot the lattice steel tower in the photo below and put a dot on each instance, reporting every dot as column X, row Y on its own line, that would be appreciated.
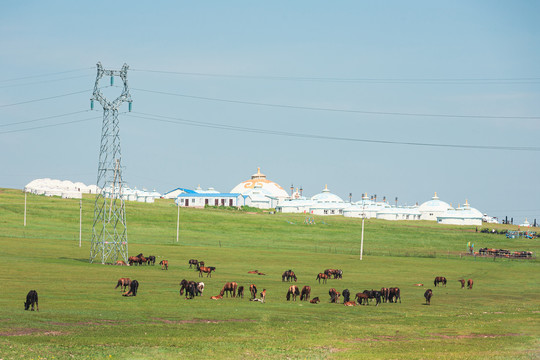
column 109, row 230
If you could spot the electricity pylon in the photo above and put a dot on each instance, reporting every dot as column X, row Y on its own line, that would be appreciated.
column 109, row 230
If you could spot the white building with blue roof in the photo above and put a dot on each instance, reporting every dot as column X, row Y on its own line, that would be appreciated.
column 465, row 215
column 433, row 208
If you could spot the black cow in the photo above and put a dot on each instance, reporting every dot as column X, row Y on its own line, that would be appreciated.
column 31, row 299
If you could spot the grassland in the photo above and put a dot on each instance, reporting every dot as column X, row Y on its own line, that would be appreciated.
column 81, row 315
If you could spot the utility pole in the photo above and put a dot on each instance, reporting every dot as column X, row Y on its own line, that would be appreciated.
column 109, row 229
column 363, row 219
column 80, row 223
column 178, row 221
column 25, row 208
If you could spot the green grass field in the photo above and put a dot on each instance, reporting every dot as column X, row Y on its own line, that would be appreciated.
column 82, row 317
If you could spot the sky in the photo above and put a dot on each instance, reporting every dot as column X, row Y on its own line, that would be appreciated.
column 398, row 99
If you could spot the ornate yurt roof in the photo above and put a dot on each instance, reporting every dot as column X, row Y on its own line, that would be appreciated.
column 271, row 188
column 434, row 205
column 327, row 197
column 465, row 212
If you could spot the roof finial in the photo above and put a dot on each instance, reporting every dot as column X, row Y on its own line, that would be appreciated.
column 325, row 186
column 258, row 171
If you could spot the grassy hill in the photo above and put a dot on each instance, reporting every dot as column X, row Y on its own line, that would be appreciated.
column 82, row 316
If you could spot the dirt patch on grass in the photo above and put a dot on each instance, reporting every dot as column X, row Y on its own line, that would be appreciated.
column 200, row 321
column 30, row 331
column 90, row 323
column 432, row 337
column 381, row 338
column 471, row 336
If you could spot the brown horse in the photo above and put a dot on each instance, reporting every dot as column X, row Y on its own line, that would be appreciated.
column 462, row 281
column 314, row 300
column 133, row 287
column 133, row 260
column 306, row 292
column 216, row 297
column 262, row 298
column 151, row 260
column 164, row 264
column 336, row 273
column 123, row 283
column 253, row 291
column 350, row 303
column 361, row 297
column 289, row 275
column 120, row 263
column 334, row 295
column 323, row 277
column 241, row 292
column 440, row 280
column 428, row 294
column 469, row 284
column 293, row 291
column 394, row 295
column 385, row 294
column 207, row 270
column 229, row 287
column 192, row 262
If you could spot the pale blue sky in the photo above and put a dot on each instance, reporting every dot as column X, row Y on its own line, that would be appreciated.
column 459, row 41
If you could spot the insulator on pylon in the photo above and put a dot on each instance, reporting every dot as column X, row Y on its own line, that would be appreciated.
column 112, row 80
column 129, row 105
column 91, row 104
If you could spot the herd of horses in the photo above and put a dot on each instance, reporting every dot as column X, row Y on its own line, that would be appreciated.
column 140, row 259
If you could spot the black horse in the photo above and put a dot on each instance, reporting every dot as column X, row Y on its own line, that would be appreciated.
column 190, row 287
column 428, row 294
column 151, row 260
column 133, row 287
column 31, row 299
column 346, row 295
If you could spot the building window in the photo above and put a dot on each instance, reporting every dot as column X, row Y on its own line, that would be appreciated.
column 216, row 202
column 205, row 201
column 332, row 211
column 326, row 211
column 230, row 202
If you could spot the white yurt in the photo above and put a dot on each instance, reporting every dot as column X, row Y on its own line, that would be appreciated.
column 433, row 208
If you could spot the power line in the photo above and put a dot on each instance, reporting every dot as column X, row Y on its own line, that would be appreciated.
column 47, row 98
column 517, row 80
column 340, row 110
column 50, row 125
column 44, row 75
column 44, row 118
column 177, row 120
column 44, row 81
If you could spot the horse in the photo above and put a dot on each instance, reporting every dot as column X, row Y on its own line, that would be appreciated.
column 346, row 295
column 334, row 295
column 192, row 262
column 151, row 260
column 123, row 283
column 314, row 300
column 200, row 288
column 385, row 294
column 190, row 287
column 373, row 294
column 428, row 294
column 440, row 279
column 293, row 291
column 322, row 277
column 394, row 295
column 134, row 260
column 164, row 264
column 241, row 292
column 120, row 263
column 31, row 299
column 207, row 270
column 306, row 292
column 263, row 295
column 133, row 287
column 229, row 287
column 289, row 275
column 253, row 291
column 201, row 263
column 216, row 297
column 462, row 281
column 337, row 274
column 349, row 303
column 469, row 284
column 361, row 297
column 255, row 272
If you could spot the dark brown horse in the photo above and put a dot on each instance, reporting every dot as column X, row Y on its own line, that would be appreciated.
column 385, row 294
column 133, row 287
column 361, row 297
column 394, row 295
column 314, row 300
column 241, row 292
column 306, row 293
column 334, row 295
column 323, row 277
column 289, row 275
column 462, row 281
column 293, row 291
column 336, row 273
column 151, row 260
column 132, row 260
column 253, row 291
column 206, row 270
column 428, row 294
column 123, row 283
column 469, row 284
column 439, row 280
column 229, row 287
column 192, row 262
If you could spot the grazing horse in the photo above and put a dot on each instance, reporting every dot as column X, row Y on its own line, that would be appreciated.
column 200, row 288
column 322, row 277
column 462, row 281
column 241, row 292
column 134, row 260
column 31, row 299
column 207, row 270
column 253, row 291
column 151, row 260
column 201, row 263
column 385, row 294
column 192, row 262
column 123, row 283
column 164, row 264
column 263, row 295
column 428, row 294
column 439, row 280
column 394, row 295
column 337, row 274
column 293, row 291
column 469, row 284
column 229, row 287
column 289, row 275
column 361, row 297
column 133, row 287
column 191, row 288
column 346, row 295
column 334, row 295
column 306, row 293
column 314, row 300
column 349, row 303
